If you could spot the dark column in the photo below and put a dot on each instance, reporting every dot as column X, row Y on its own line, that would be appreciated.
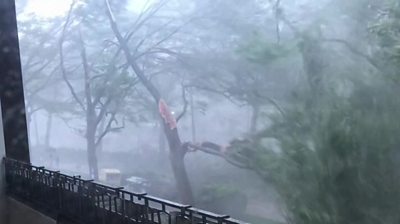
column 11, row 89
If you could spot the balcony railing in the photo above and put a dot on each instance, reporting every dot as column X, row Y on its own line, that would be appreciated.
column 84, row 201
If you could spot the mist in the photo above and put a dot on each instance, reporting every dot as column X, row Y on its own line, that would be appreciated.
column 270, row 111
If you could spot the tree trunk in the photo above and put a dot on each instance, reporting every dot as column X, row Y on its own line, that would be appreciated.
column 161, row 139
column 91, row 154
column 99, row 149
column 181, row 177
column 48, row 130
column 176, row 156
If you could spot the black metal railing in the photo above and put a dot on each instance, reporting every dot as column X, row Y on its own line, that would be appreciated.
column 87, row 202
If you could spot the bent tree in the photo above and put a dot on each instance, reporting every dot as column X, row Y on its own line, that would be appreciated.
column 176, row 147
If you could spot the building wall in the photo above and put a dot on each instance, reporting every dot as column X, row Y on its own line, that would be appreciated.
column 2, row 154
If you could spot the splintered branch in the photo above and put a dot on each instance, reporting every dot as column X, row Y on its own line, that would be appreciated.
column 215, row 150
column 212, row 151
column 219, row 92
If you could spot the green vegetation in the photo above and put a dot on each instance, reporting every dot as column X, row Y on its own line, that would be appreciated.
column 338, row 159
column 309, row 93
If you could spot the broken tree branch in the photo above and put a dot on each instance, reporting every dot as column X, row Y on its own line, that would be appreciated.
column 195, row 147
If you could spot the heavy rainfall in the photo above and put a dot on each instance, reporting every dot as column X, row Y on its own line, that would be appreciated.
column 271, row 111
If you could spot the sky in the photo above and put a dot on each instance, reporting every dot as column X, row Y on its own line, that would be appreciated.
column 53, row 8
column 47, row 8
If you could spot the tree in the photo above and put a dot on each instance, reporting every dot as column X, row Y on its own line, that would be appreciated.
column 38, row 60
column 336, row 159
column 98, row 89
column 231, row 71
column 333, row 157
column 177, row 149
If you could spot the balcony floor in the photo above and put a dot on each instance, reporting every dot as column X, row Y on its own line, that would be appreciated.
column 14, row 212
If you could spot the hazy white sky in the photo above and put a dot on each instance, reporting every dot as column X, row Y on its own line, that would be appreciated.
column 52, row 8
column 47, row 8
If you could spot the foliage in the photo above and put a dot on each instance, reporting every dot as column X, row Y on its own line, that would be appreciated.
column 339, row 160
column 259, row 50
column 331, row 154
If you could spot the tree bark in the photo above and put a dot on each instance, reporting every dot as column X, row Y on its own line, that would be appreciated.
column 91, row 127
column 91, row 152
column 176, row 156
